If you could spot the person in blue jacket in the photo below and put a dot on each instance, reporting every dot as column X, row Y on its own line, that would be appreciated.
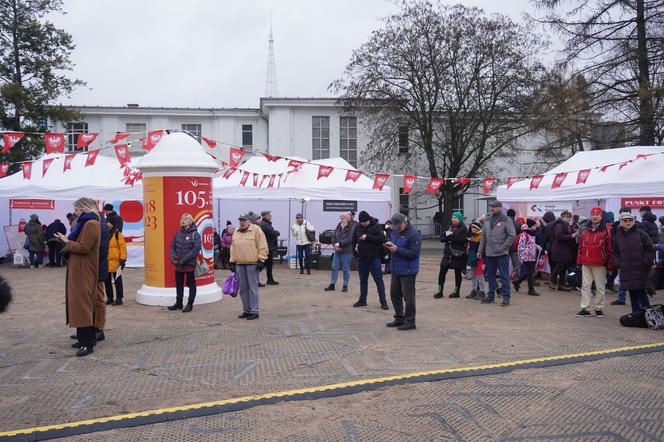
column 404, row 245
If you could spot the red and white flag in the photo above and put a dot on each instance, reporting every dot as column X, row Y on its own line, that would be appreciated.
column 4, row 169
column 353, row 175
column 229, row 172
column 626, row 163
column 379, row 180
column 582, row 177
column 270, row 183
column 55, row 142
column 122, row 152
column 488, row 183
column 92, row 157
column 409, row 183
column 603, row 168
column 243, row 180
column 272, row 158
column 434, row 185
column 10, row 139
column 463, row 181
column 154, row 136
column 254, row 177
column 265, row 177
column 211, row 143
column 535, row 181
column 236, row 156
column 295, row 163
column 67, row 164
column 644, row 155
column 45, row 165
column 279, row 180
column 119, row 136
column 84, row 140
column 27, row 170
column 511, row 180
column 324, row 171
column 558, row 180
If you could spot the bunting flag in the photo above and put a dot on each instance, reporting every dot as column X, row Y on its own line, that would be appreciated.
column 92, row 157
column 409, row 183
column 434, row 185
column 558, row 180
column 353, row 175
column 153, row 138
column 245, row 176
column 236, row 156
column 511, row 180
column 295, row 163
column 55, row 142
column 122, row 152
column 45, row 165
column 211, row 143
column 379, row 180
column 324, row 171
column 535, row 181
column 84, row 140
column 27, row 170
column 626, row 163
column 119, row 136
column 230, row 171
column 67, row 164
column 603, row 168
column 11, row 138
column 270, row 184
column 644, row 155
column 4, row 169
column 463, row 181
column 582, row 177
column 263, row 179
column 255, row 178
column 279, row 181
column 271, row 158
column 224, row 164
column 488, row 183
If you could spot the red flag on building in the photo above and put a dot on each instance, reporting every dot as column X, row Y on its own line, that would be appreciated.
column 27, row 170
column 55, row 142
column 409, row 183
column 463, row 181
column 119, row 136
column 272, row 158
column 45, row 165
column 154, row 136
column 122, row 152
column 236, row 156
column 511, row 180
column 10, row 139
column 211, row 143
column 230, row 171
column 558, row 180
column 92, row 157
column 379, row 180
column 270, row 183
column 324, row 171
column 434, row 185
column 67, row 164
column 535, row 181
column 353, row 175
column 488, row 183
column 4, row 169
column 243, row 180
column 295, row 163
column 582, row 177
column 84, row 140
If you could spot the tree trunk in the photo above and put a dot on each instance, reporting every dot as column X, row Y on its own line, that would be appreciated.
column 17, row 67
column 646, row 111
column 449, row 197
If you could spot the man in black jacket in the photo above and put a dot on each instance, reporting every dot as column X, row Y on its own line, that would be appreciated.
column 648, row 223
column 272, row 237
column 368, row 239
column 110, row 213
column 55, row 246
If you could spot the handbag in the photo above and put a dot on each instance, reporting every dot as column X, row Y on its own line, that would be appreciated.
column 232, row 285
column 311, row 234
column 457, row 253
column 26, row 244
column 201, row 269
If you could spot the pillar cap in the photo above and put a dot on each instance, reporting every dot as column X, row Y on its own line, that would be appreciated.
column 177, row 152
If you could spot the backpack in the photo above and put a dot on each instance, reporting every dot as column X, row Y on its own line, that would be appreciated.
column 637, row 319
column 654, row 316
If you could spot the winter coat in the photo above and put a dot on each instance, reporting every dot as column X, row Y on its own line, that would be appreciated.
column 659, row 258
column 185, row 247
column 271, row 235
column 344, row 236
column 633, row 253
column 104, row 238
column 527, row 247
column 372, row 247
column 648, row 225
column 226, row 239
column 249, row 246
column 117, row 250
column 473, row 247
column 562, row 244
column 83, row 275
column 117, row 219
column 457, row 241
column 406, row 260
column 595, row 245
column 300, row 232
column 217, row 241
column 55, row 227
column 35, row 236
column 496, row 241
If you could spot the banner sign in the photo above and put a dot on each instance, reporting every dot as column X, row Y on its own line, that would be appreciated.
column 31, row 204
column 656, row 202
column 557, row 207
column 339, row 206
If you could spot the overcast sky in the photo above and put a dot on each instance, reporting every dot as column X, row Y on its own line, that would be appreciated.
column 211, row 53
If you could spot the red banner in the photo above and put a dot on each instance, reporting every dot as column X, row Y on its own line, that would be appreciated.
column 153, row 138
column 488, row 183
column 92, row 157
column 272, row 158
column 4, row 169
column 10, row 139
column 236, row 156
column 535, row 181
column 27, row 170
column 558, row 180
column 254, row 177
column 295, row 163
column 353, row 175
column 408, row 183
column 245, row 176
column 511, row 180
column 122, row 152
column 434, row 185
column 324, row 171
column 211, row 143
column 119, row 136
column 45, row 165
column 55, row 142
column 379, row 180
column 463, row 181
column 638, row 202
column 229, row 172
column 31, row 204
column 265, row 177
column 626, row 163
column 603, row 168
column 582, row 177
column 67, row 164
column 84, row 140
column 270, row 183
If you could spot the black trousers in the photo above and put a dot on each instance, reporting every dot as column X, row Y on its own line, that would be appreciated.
column 530, row 274
column 442, row 273
column 402, row 291
column 559, row 271
column 119, row 291
column 225, row 257
column 54, row 256
column 86, row 336
column 179, row 287
column 268, row 265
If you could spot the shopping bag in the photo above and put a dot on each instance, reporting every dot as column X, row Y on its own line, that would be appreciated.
column 232, row 285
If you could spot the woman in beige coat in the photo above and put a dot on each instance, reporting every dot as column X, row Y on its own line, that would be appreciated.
column 82, row 248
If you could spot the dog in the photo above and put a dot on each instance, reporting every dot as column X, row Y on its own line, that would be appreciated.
column 5, row 295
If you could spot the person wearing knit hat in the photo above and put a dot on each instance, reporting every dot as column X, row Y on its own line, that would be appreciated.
column 475, row 264
column 272, row 237
column 454, row 255
column 527, row 251
column 368, row 239
column 305, row 234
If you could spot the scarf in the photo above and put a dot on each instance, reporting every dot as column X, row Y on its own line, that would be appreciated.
column 79, row 225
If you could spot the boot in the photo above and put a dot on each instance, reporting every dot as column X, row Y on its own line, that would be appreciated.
column 472, row 295
column 561, row 287
column 176, row 306
column 329, row 288
column 398, row 320
column 109, row 301
column 455, row 293
column 552, row 284
column 301, row 271
column 516, row 285
column 439, row 293
column 188, row 308
column 532, row 293
column 118, row 301
column 308, row 272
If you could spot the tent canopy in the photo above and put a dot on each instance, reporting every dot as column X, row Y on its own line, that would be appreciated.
column 640, row 178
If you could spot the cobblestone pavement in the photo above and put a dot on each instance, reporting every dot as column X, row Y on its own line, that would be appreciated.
column 154, row 358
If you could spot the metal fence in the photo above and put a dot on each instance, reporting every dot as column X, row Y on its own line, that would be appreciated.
column 428, row 230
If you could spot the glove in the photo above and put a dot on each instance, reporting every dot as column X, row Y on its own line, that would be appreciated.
column 122, row 263
column 231, row 267
column 260, row 265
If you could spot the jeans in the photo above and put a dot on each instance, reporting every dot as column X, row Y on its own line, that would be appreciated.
column 500, row 264
column 639, row 300
column 248, row 278
column 621, row 296
column 54, row 256
column 530, row 275
column 402, row 291
column 179, row 287
column 373, row 267
column 35, row 258
column 119, row 291
column 304, row 251
column 342, row 259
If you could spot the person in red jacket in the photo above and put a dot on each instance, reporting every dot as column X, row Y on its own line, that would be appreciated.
column 595, row 245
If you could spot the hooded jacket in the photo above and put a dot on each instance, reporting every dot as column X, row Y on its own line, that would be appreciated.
column 648, row 225
column 633, row 253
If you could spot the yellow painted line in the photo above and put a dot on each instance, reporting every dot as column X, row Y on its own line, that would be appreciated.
column 287, row 393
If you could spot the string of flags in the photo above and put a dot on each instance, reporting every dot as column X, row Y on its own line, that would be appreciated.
column 55, row 143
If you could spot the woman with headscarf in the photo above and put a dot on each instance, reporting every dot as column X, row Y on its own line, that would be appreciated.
column 454, row 255
column 185, row 247
column 35, row 240
column 82, row 247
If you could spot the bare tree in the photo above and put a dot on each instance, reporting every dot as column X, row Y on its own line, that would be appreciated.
column 460, row 81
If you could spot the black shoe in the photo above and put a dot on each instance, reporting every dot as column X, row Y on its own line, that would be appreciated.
column 260, row 284
column 533, row 293
column 584, row 314
column 308, row 272
column 187, row 309
column 109, row 301
column 273, row 282
column 301, row 271
column 454, row 294
column 599, row 313
column 396, row 323
column 73, row 336
column 438, row 295
column 244, row 315
column 344, row 288
column 487, row 301
column 76, row 345
column 175, row 307
column 404, row 326
column 618, row 303
column 385, row 306
column 84, row 351
column 472, row 295
column 100, row 336
column 516, row 285
column 118, row 301
column 329, row 288
column 360, row 304
column 253, row 316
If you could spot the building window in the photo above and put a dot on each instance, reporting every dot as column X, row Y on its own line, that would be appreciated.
column 247, row 136
column 320, row 138
column 403, row 138
column 194, row 129
column 404, row 203
column 73, row 131
column 348, row 139
column 136, row 131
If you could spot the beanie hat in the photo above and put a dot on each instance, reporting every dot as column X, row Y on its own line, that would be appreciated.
column 626, row 215
column 228, row 223
column 458, row 216
column 477, row 225
column 596, row 211
column 265, row 212
column 108, row 207
column 364, row 216
column 530, row 223
column 625, row 210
